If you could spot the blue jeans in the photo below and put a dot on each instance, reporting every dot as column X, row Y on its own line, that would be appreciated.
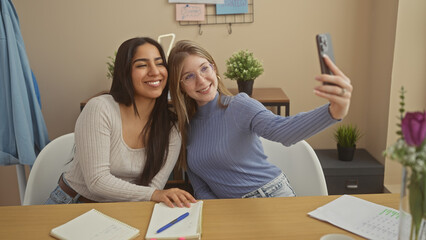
column 279, row 187
column 58, row 196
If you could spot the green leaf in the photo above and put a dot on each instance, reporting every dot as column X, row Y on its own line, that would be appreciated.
column 110, row 66
column 347, row 135
column 243, row 66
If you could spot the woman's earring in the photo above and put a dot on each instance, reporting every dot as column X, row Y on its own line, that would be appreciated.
column 218, row 77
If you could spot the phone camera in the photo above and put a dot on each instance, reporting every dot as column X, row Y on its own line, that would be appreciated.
column 323, row 43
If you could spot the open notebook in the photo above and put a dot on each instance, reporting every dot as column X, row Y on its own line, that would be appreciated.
column 189, row 227
column 94, row 225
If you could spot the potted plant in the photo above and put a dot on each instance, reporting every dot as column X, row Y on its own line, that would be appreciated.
column 110, row 66
column 346, row 137
column 109, row 75
column 243, row 67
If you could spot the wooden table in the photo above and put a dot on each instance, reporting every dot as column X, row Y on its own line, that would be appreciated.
column 270, row 97
column 267, row 218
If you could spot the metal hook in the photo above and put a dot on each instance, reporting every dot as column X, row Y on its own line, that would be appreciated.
column 230, row 28
column 199, row 29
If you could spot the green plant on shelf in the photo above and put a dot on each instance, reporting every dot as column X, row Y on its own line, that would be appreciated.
column 347, row 135
column 243, row 66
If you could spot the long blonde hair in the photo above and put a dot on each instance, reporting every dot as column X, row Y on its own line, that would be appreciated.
column 184, row 105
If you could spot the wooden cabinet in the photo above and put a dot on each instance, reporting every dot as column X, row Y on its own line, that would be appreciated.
column 364, row 174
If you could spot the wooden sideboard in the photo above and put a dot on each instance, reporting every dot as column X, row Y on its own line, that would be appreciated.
column 275, row 97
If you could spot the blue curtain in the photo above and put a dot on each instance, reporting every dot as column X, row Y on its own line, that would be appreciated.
column 23, row 131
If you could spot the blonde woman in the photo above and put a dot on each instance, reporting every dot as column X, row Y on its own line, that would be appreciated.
column 220, row 133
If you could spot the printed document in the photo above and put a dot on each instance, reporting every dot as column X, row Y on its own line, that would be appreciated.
column 367, row 219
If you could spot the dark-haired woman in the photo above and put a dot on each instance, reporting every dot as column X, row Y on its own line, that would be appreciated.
column 126, row 141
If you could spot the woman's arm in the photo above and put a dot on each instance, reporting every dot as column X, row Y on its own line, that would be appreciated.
column 254, row 117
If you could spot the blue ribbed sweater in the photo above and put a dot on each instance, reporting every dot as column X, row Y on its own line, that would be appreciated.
column 225, row 155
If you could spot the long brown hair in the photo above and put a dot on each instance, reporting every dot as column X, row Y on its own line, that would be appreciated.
column 184, row 105
column 161, row 120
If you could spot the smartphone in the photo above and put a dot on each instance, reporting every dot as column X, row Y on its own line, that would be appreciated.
column 325, row 46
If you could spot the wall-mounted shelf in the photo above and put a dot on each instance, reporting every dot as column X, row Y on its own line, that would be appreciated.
column 211, row 18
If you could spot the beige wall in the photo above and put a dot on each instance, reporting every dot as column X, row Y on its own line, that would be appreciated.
column 377, row 86
column 409, row 70
column 68, row 43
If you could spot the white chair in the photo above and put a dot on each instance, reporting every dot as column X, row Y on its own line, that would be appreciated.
column 301, row 166
column 48, row 166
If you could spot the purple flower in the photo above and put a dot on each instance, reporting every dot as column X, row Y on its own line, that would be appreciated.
column 414, row 128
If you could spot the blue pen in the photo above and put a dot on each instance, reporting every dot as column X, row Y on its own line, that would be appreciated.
column 173, row 222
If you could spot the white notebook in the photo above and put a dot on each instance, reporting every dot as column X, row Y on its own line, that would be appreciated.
column 94, row 225
column 189, row 227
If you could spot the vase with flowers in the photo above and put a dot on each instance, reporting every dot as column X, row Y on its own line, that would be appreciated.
column 410, row 151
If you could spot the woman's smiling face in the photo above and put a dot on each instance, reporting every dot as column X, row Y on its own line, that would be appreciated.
column 149, row 73
column 199, row 79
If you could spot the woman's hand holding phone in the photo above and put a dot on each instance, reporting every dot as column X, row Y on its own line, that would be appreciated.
column 336, row 87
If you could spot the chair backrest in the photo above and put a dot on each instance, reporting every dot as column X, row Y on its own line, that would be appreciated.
column 301, row 166
column 48, row 166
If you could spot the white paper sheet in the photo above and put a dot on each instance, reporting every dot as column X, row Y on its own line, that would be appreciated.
column 367, row 219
